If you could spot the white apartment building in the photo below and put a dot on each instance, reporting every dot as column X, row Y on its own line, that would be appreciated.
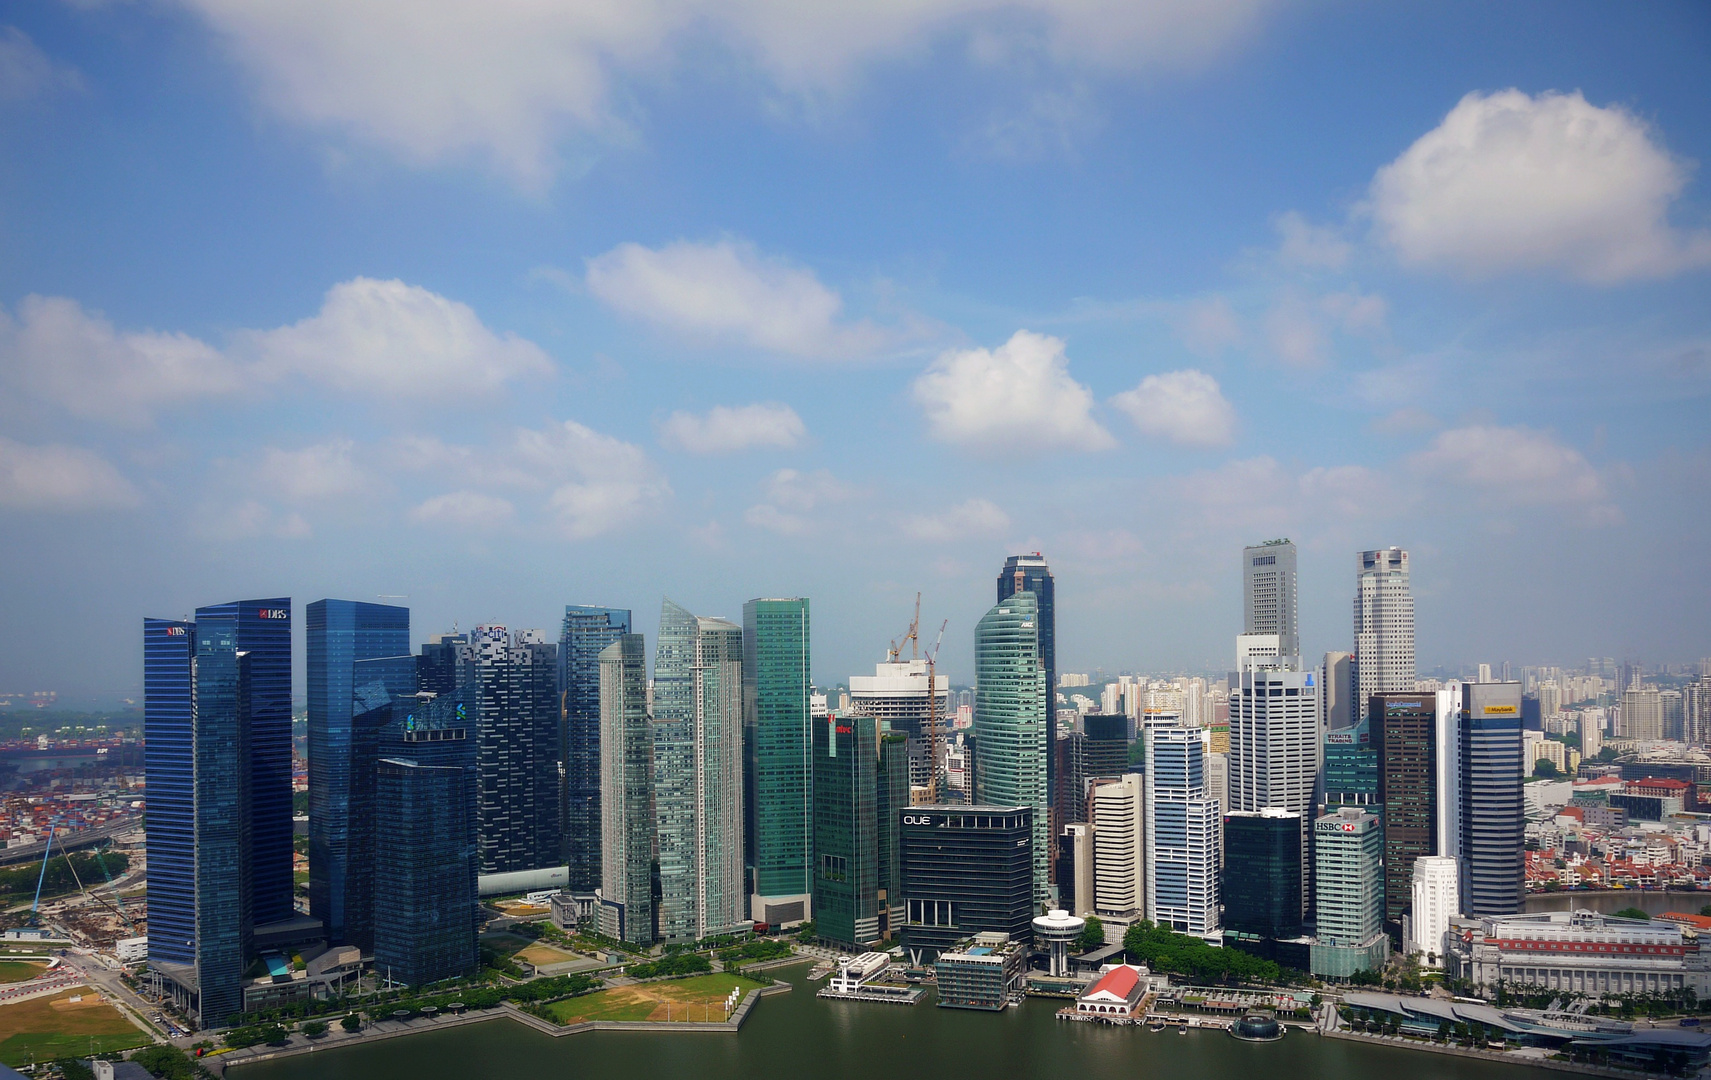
column 1119, row 847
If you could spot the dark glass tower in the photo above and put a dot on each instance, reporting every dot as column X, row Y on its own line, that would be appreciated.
column 515, row 685
column 169, row 719
column 1100, row 749
column 1351, row 766
column 846, row 822
column 966, row 870
column 1031, row 574
column 1262, row 873
column 1405, row 727
column 778, row 830
column 1492, row 821
column 586, row 631
column 437, row 665
column 337, row 635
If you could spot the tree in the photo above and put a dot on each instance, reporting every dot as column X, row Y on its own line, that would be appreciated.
column 1544, row 769
column 315, row 1028
column 1633, row 913
column 1093, row 936
column 353, row 1022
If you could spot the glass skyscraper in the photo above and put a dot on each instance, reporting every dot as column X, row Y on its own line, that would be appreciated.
column 338, row 634
column 1351, row 766
column 1010, row 710
column 1406, row 733
column 1263, row 872
column 778, row 825
column 515, row 683
column 169, row 724
column 1183, row 826
column 861, row 782
column 1029, row 573
column 1492, row 820
column 626, row 910
column 585, row 633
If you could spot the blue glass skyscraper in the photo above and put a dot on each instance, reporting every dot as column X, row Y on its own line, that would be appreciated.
column 586, row 631
column 1029, row 573
column 168, row 731
column 337, row 635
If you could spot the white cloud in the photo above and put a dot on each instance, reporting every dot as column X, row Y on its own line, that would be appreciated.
column 506, row 79
column 974, row 517
column 1312, row 246
column 1355, row 312
column 247, row 520
column 1018, row 396
column 1209, row 326
column 60, row 353
column 1514, row 464
column 1295, row 335
column 730, row 291
column 726, row 428
column 1186, row 407
column 55, row 477
column 769, row 517
column 599, row 483
column 395, row 340
column 465, row 509
column 26, row 71
column 1513, row 182
column 322, row 471
column 792, row 496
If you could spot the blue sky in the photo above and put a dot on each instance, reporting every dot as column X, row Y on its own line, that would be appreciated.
column 605, row 302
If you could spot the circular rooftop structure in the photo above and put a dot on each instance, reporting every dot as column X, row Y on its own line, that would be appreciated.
column 1059, row 925
column 1257, row 1026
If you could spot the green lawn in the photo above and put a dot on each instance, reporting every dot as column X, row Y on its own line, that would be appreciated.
column 41, row 1046
column 696, row 998
column 44, row 1028
column 12, row 971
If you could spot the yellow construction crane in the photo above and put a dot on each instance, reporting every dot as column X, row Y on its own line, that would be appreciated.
column 913, row 637
column 932, row 708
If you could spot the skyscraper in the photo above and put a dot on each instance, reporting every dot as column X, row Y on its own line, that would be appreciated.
column 860, row 785
column 778, row 830
column 1010, row 718
column 1119, row 847
column 1492, row 821
column 217, row 716
column 515, row 681
column 1351, row 766
column 1384, row 625
column 897, row 693
column 437, row 664
column 1338, row 708
column 966, row 870
column 1436, row 900
column 336, row 635
column 1349, row 901
column 1274, row 745
column 1642, row 714
column 1101, row 748
column 626, row 910
column 1268, row 593
column 585, row 634
column 1263, row 876
column 1029, row 573
column 698, row 774
column 1405, row 727
column 1183, row 827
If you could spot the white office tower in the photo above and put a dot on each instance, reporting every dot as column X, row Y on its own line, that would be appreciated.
column 1437, row 894
column 1485, row 673
column 1447, row 766
column 1218, row 779
column 1591, row 739
column 1119, row 847
column 1183, row 831
column 1337, row 709
column 1274, row 738
column 896, row 692
column 1268, row 594
column 1384, row 625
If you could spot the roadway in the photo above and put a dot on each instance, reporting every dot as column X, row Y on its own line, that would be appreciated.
column 73, row 841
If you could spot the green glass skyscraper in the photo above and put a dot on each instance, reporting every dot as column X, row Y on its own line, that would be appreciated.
column 1010, row 707
column 861, row 783
column 778, row 823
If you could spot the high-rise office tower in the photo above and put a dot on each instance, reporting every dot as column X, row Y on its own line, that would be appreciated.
column 1101, row 749
column 1405, row 728
column 1446, row 763
column 1268, row 594
column 1349, row 878
column 516, row 680
column 1492, row 820
column 1274, row 743
column 1183, row 832
column 1436, row 900
column 1010, row 718
column 777, row 763
column 698, row 774
column 337, row 634
column 1029, row 573
column 1351, row 766
column 1384, row 625
column 1337, row 706
column 426, row 779
column 1642, row 714
column 1263, row 876
column 1592, row 739
column 626, row 910
column 584, row 635
column 217, row 718
column 897, row 693
column 966, row 870
column 437, row 664
column 1076, row 868
column 860, row 785
column 1119, row 846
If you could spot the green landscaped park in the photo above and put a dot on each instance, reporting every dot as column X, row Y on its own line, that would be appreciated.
column 75, row 1023
column 698, row 998
column 13, row 971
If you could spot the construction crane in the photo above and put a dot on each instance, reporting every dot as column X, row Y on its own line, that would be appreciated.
column 913, row 637
column 932, row 709
column 119, row 897
column 47, row 853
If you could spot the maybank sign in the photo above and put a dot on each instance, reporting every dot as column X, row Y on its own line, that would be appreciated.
column 1501, row 710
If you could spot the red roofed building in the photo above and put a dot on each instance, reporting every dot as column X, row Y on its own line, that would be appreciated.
column 1701, row 923
column 1117, row 993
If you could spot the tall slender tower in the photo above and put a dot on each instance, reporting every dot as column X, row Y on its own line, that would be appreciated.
column 1268, row 595
column 1492, row 820
column 515, row 679
column 1384, row 625
column 1010, row 718
column 1183, row 832
column 1274, row 744
column 777, row 755
column 337, row 635
column 1030, row 573
column 626, row 909
column 585, row 634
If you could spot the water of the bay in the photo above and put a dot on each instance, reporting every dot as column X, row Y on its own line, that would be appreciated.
column 797, row 1036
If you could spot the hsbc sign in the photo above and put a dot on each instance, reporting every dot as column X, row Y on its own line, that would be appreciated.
column 273, row 613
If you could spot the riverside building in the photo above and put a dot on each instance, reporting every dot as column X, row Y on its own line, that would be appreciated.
column 584, row 635
column 1011, row 719
column 861, row 787
column 778, row 760
column 966, row 870
column 1349, row 882
column 1577, row 952
column 1183, row 832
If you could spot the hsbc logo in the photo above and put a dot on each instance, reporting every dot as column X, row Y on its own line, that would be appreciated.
column 274, row 613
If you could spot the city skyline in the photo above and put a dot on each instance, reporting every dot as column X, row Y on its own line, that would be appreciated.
column 717, row 329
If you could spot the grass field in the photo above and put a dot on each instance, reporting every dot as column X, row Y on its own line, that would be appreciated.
column 12, row 971
column 53, row 1027
column 541, row 954
column 699, row 998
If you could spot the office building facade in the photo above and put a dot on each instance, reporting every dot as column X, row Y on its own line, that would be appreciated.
column 1119, row 847
column 1274, row 748
column 626, row 910
column 1384, row 625
column 584, row 635
column 1406, row 733
column 860, row 788
column 966, row 870
column 898, row 693
column 1492, row 819
column 1348, row 855
column 1351, row 766
column 1269, row 594
column 515, row 680
column 778, row 759
column 1338, row 708
column 1183, row 832
column 1263, row 876
column 1099, row 749
column 1010, row 718
column 1436, row 895
column 337, row 635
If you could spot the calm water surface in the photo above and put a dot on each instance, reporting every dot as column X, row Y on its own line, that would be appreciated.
column 1652, row 903
column 796, row 1035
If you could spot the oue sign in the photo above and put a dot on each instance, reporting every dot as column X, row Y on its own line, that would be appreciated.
column 274, row 613
column 911, row 819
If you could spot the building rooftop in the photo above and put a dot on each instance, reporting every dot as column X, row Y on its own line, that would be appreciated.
column 1120, row 982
